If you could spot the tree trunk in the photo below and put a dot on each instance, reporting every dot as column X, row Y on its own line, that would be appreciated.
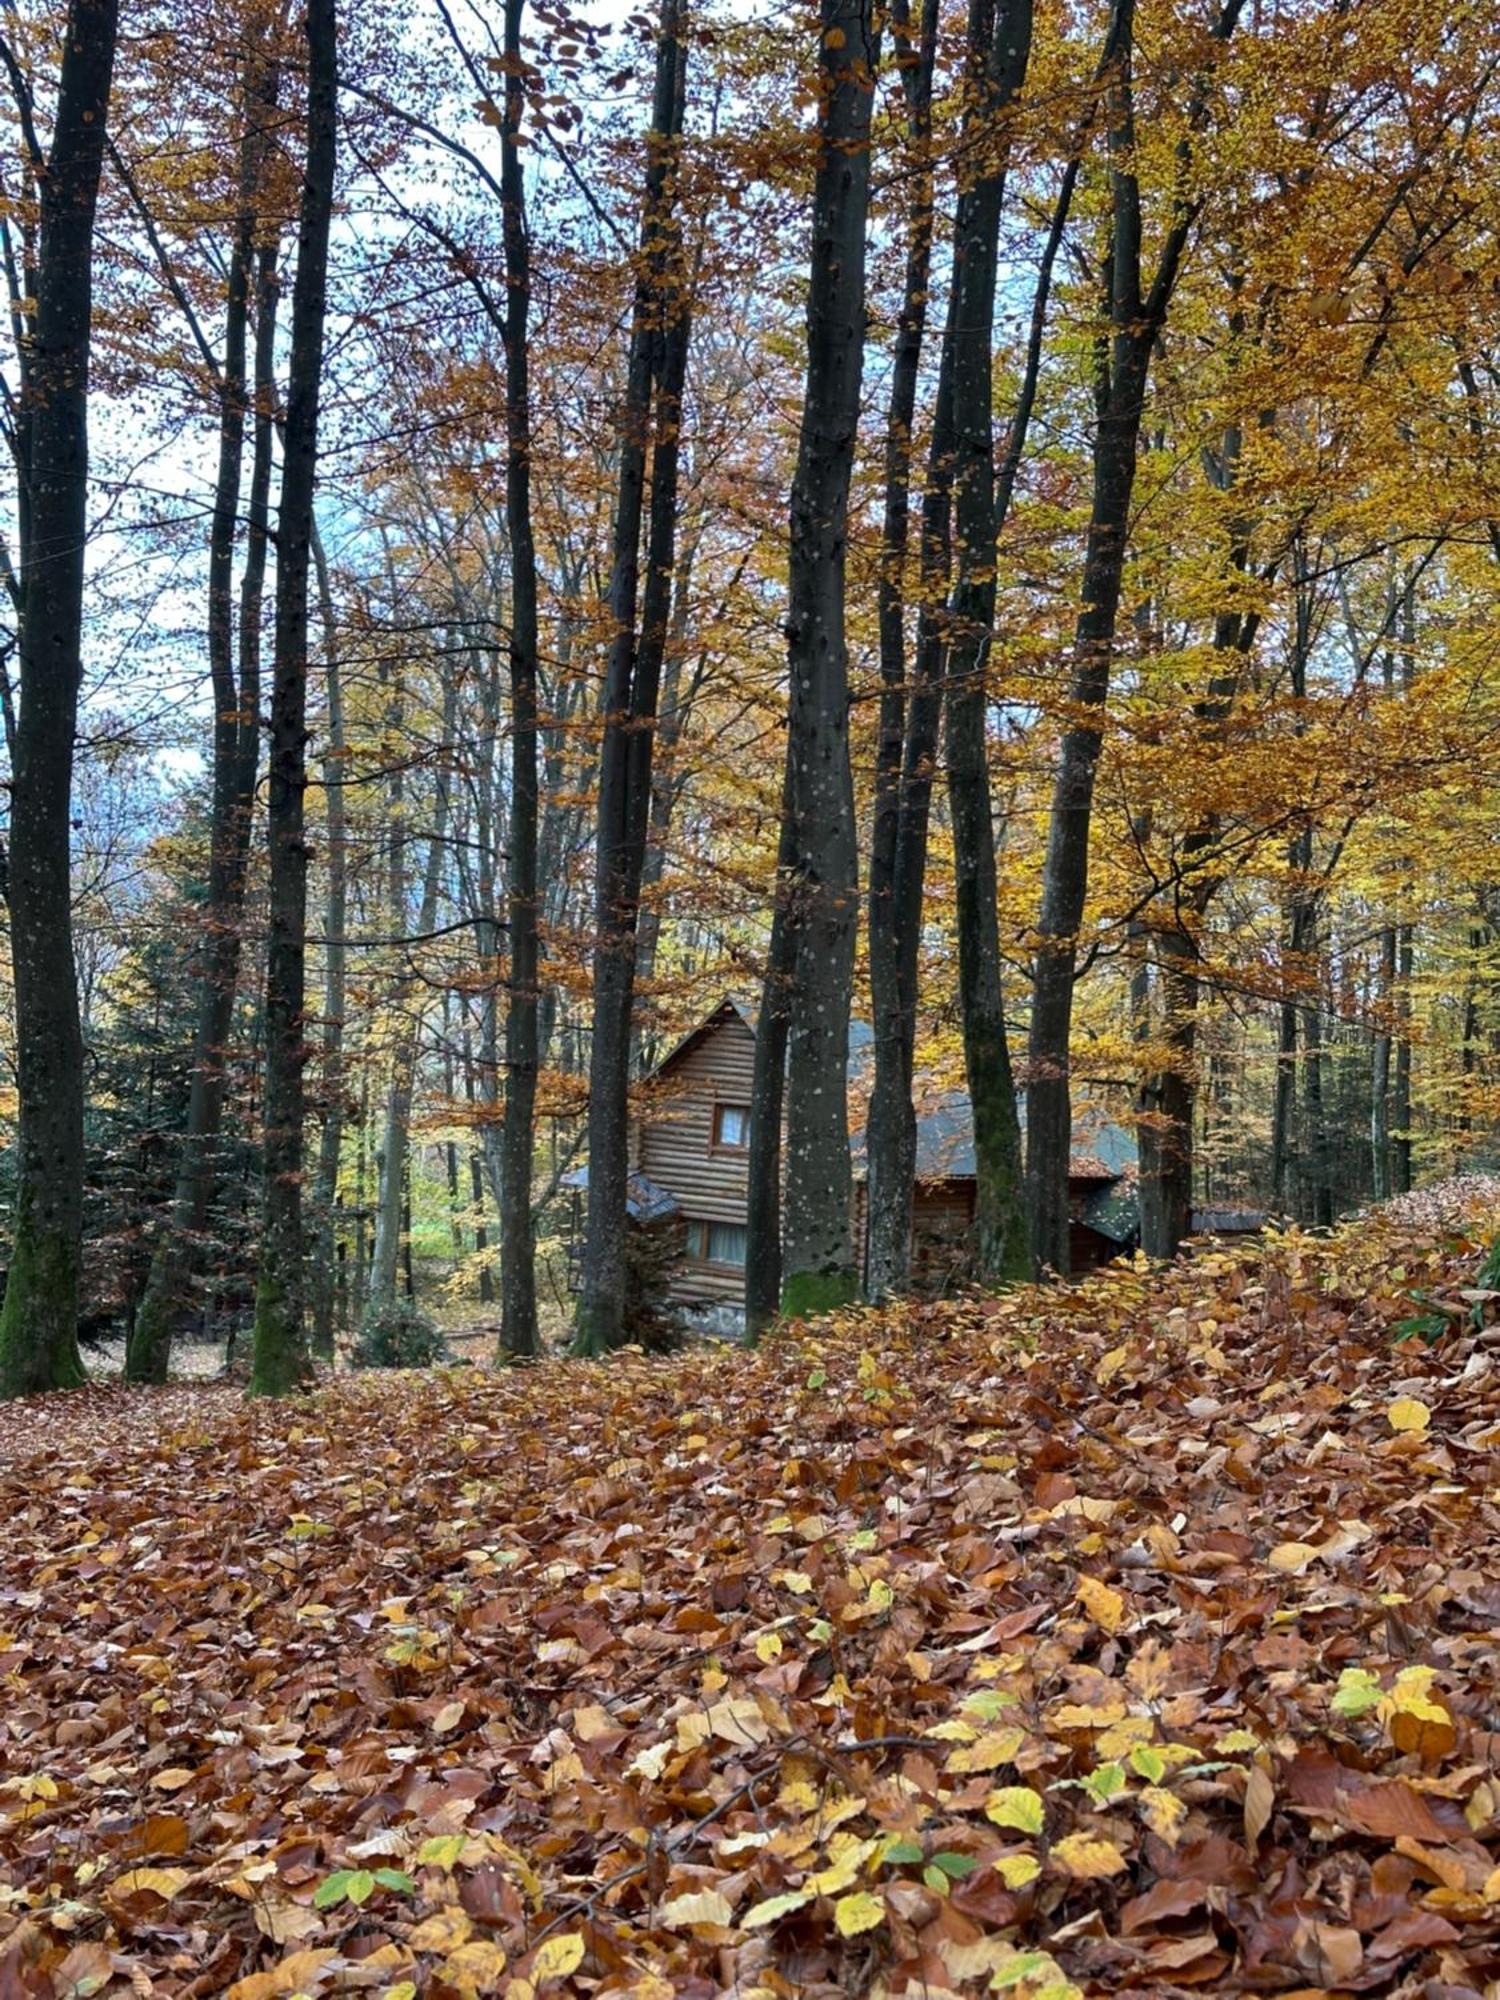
column 281, row 1359
column 1167, row 1098
column 519, row 1337
column 1401, row 1132
column 1380, row 1070
column 1002, row 1251
column 236, row 746
column 39, row 1320
column 657, row 361
column 768, row 1095
column 336, row 916
column 518, row 1327
column 891, row 1133
column 1136, row 315
column 819, row 1269
column 392, row 1158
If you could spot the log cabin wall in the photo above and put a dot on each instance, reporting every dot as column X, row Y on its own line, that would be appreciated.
column 677, row 1147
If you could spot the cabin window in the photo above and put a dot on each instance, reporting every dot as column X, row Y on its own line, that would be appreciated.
column 717, row 1243
column 732, row 1129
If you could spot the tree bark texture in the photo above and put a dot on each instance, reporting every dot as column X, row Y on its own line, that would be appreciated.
column 281, row 1361
column 1002, row 1250
column 639, row 618
column 819, row 1268
column 39, row 1319
column 891, row 1130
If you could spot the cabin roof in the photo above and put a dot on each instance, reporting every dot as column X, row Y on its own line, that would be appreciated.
column 1103, row 1150
column 645, row 1200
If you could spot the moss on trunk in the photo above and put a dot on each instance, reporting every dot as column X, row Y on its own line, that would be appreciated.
column 807, row 1294
column 39, row 1320
column 281, row 1365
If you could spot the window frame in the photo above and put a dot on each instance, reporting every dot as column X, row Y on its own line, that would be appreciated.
column 700, row 1236
column 717, row 1143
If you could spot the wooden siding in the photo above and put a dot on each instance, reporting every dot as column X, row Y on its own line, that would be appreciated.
column 675, row 1148
column 676, row 1143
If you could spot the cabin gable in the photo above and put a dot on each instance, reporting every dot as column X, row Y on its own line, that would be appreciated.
column 692, row 1138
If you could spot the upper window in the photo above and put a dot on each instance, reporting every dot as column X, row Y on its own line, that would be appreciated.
column 732, row 1126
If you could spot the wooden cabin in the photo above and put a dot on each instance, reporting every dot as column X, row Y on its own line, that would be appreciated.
column 690, row 1155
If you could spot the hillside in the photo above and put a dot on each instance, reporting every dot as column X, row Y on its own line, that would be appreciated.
column 1140, row 1636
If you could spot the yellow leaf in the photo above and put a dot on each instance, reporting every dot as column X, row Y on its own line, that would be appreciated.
column 1088, row 1857
column 856, row 1913
column 1109, row 1365
column 1016, row 1806
column 1163, row 1812
column 995, row 1747
column 1016, row 1870
column 1105, row 1606
column 701, row 1906
column 768, row 1647
column 1416, row 1721
column 556, row 1957
column 295, row 1974
column 163, row 1882
column 846, row 1856
column 1291, row 1558
column 773, row 1907
column 1407, row 1413
column 475, row 1966
column 444, row 1931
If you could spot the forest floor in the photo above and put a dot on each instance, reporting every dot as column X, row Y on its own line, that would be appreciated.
column 1141, row 1636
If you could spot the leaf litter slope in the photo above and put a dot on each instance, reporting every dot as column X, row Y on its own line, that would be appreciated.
column 1143, row 1635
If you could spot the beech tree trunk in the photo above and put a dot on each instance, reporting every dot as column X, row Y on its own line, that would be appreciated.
column 768, row 1093
column 251, row 291
column 891, row 1129
column 518, row 1327
column 651, row 421
column 819, row 1268
column 392, row 1159
column 336, row 916
column 281, row 1361
column 1002, row 1251
column 39, row 1319
column 1135, row 315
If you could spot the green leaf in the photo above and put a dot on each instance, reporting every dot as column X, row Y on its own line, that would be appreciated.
column 393, row 1878
column 361, row 1886
column 1106, row 1783
column 1148, row 1763
column 902, row 1853
column 1358, row 1691
column 935, row 1879
column 955, row 1866
column 817, row 1378
column 442, row 1851
column 333, row 1888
